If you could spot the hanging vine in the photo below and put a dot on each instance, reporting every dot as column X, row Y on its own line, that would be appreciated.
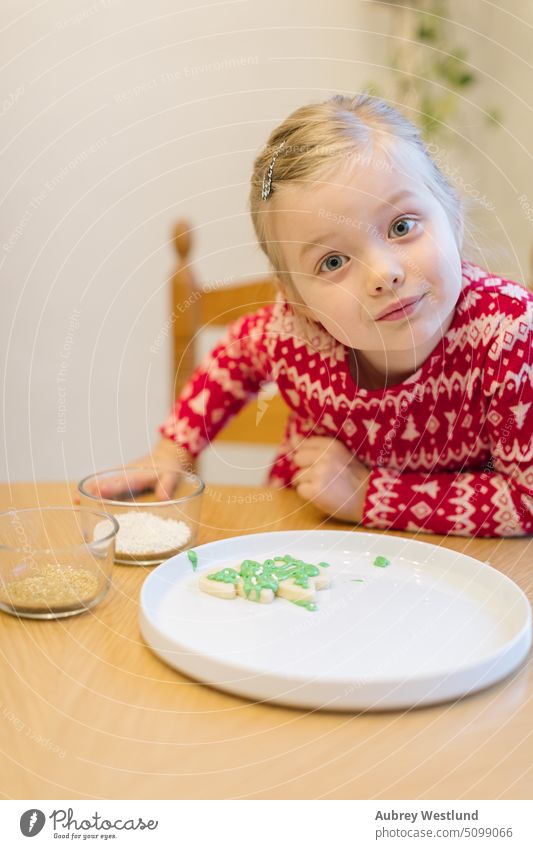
column 430, row 71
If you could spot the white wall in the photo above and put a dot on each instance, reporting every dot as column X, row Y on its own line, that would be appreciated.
column 117, row 117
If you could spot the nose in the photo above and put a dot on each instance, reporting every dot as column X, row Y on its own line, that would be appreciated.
column 384, row 269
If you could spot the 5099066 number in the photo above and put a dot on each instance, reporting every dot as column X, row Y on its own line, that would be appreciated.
column 487, row 832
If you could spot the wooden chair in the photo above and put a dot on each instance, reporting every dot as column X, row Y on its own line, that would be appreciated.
column 192, row 308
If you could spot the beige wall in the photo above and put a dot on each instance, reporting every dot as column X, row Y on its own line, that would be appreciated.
column 118, row 117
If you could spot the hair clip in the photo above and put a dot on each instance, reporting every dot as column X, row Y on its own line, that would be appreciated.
column 267, row 180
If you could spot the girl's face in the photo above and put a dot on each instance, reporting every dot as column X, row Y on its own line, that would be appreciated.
column 361, row 243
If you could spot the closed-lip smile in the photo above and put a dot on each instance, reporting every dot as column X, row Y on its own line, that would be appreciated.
column 399, row 306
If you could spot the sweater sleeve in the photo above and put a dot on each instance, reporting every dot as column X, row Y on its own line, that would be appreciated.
column 496, row 501
column 221, row 384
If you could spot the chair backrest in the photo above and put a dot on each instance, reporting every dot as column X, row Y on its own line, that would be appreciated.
column 193, row 308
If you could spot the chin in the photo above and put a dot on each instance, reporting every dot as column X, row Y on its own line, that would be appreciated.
column 407, row 339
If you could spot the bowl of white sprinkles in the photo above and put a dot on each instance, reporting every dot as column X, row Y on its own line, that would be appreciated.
column 150, row 531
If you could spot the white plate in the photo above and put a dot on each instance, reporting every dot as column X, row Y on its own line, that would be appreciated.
column 434, row 625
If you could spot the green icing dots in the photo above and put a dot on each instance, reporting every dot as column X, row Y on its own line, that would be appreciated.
column 381, row 561
column 258, row 576
column 193, row 557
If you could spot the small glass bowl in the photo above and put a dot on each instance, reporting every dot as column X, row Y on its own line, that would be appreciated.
column 51, row 565
column 151, row 531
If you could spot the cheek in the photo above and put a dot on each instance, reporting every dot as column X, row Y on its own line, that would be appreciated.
column 425, row 259
column 443, row 251
column 448, row 278
column 439, row 262
column 347, row 326
column 335, row 321
column 326, row 305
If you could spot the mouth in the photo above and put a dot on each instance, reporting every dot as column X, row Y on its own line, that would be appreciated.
column 405, row 308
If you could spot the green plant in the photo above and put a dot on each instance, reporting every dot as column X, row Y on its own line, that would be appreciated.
column 429, row 72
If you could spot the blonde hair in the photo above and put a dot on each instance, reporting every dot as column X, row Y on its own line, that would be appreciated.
column 318, row 137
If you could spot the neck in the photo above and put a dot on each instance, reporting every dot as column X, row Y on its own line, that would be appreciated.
column 381, row 369
column 368, row 375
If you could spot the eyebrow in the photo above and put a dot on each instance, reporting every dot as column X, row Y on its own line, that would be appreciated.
column 316, row 242
column 319, row 241
column 404, row 193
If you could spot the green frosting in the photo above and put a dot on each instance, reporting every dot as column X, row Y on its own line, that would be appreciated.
column 258, row 576
column 309, row 605
column 381, row 561
column 226, row 576
column 193, row 557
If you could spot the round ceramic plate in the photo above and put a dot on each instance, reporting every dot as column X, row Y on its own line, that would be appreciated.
column 431, row 626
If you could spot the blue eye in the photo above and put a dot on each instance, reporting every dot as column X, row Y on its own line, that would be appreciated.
column 402, row 227
column 335, row 262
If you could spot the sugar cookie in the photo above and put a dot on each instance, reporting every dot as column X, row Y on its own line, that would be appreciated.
column 286, row 577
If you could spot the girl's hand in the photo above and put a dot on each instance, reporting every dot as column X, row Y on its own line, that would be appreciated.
column 331, row 478
column 166, row 456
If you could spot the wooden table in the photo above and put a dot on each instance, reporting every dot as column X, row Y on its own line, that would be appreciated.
column 87, row 711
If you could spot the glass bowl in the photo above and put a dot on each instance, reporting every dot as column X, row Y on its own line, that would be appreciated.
column 150, row 531
column 51, row 565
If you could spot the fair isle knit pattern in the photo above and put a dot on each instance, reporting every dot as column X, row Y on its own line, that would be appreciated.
column 450, row 448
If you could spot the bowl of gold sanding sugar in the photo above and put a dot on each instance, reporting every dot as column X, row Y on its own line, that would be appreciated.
column 51, row 564
column 151, row 528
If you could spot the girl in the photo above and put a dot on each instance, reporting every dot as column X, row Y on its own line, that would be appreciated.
column 407, row 371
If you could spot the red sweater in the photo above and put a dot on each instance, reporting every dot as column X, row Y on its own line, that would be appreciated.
column 450, row 448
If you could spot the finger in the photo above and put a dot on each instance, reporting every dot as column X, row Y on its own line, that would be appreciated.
column 305, row 476
column 306, row 491
column 330, row 448
column 165, row 486
column 317, row 441
column 321, row 447
column 303, row 459
column 296, row 479
column 307, row 456
column 126, row 485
